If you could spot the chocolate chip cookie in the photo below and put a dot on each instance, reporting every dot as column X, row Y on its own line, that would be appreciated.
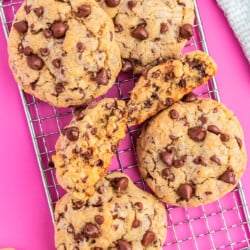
column 192, row 153
column 150, row 31
column 86, row 146
column 167, row 83
column 62, row 52
column 118, row 216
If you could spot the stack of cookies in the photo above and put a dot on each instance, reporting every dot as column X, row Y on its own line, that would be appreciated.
column 190, row 150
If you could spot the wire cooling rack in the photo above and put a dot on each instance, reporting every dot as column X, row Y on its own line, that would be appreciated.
column 224, row 224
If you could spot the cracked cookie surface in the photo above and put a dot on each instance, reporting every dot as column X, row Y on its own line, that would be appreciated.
column 118, row 216
column 150, row 31
column 62, row 52
column 167, row 83
column 192, row 153
column 86, row 146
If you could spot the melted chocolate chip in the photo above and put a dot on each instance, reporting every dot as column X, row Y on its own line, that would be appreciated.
column 136, row 223
column 91, row 230
column 27, row 8
column 79, row 237
column 38, row 11
column 187, row 31
column 72, row 133
column 21, row 27
column 224, row 137
column 99, row 163
column 213, row 129
column 139, row 206
column 140, row 32
column 112, row 3
column 215, row 159
column 239, row 141
column 164, row 28
column 58, row 29
column 203, row 120
column 70, row 229
column 27, row 51
column 208, row 193
column 173, row 114
column 166, row 172
column 148, row 238
column 190, row 97
column 124, row 245
column 47, row 33
column 56, row 63
column 199, row 160
column 77, row 204
column 169, row 101
column 44, row 51
column 169, row 76
column 127, row 66
column 197, row 134
column 228, row 177
column 99, row 219
column 80, row 47
column 182, row 83
column 83, row 11
column 185, row 191
column 102, row 77
column 59, row 88
column 35, row 62
column 120, row 183
column 179, row 163
column 168, row 156
column 131, row 4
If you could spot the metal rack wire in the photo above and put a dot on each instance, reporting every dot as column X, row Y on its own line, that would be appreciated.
column 224, row 224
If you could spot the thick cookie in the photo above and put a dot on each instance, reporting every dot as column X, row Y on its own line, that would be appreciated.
column 62, row 52
column 167, row 83
column 192, row 153
column 118, row 216
column 150, row 31
column 85, row 148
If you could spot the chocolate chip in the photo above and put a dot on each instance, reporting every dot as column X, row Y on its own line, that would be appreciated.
column 239, row 141
column 44, row 51
column 120, row 183
column 70, row 229
column 182, row 83
column 38, row 11
column 124, row 245
column 83, row 11
column 173, row 114
column 20, row 48
column 58, row 29
column 164, row 28
column 21, row 27
column 208, row 193
column 127, row 66
column 27, row 8
column 118, row 27
column 90, row 230
column 35, row 62
column 98, row 248
column 77, row 204
column 168, row 156
column 213, row 129
column 178, row 163
column 136, row 223
column 80, row 47
column 199, row 160
column 131, row 4
column 144, row 73
column 169, row 101
column 72, row 133
column 185, row 191
column 99, row 163
column 155, row 74
column 215, row 159
column 112, row 3
column 59, row 88
column 27, row 51
column 47, row 33
column 76, row 248
column 79, row 237
column 148, row 238
column 203, row 120
column 99, row 219
column 56, row 63
column 187, row 31
column 190, row 97
column 197, row 134
column 171, row 177
column 139, row 206
column 228, row 177
column 102, row 77
column 140, row 32
column 169, row 76
column 224, row 137
column 166, row 172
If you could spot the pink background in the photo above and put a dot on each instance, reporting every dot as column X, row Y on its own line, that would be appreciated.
column 25, row 222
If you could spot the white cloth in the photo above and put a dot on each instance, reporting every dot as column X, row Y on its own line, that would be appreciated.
column 238, row 14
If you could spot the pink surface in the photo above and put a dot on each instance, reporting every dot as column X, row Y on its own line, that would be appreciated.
column 25, row 222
